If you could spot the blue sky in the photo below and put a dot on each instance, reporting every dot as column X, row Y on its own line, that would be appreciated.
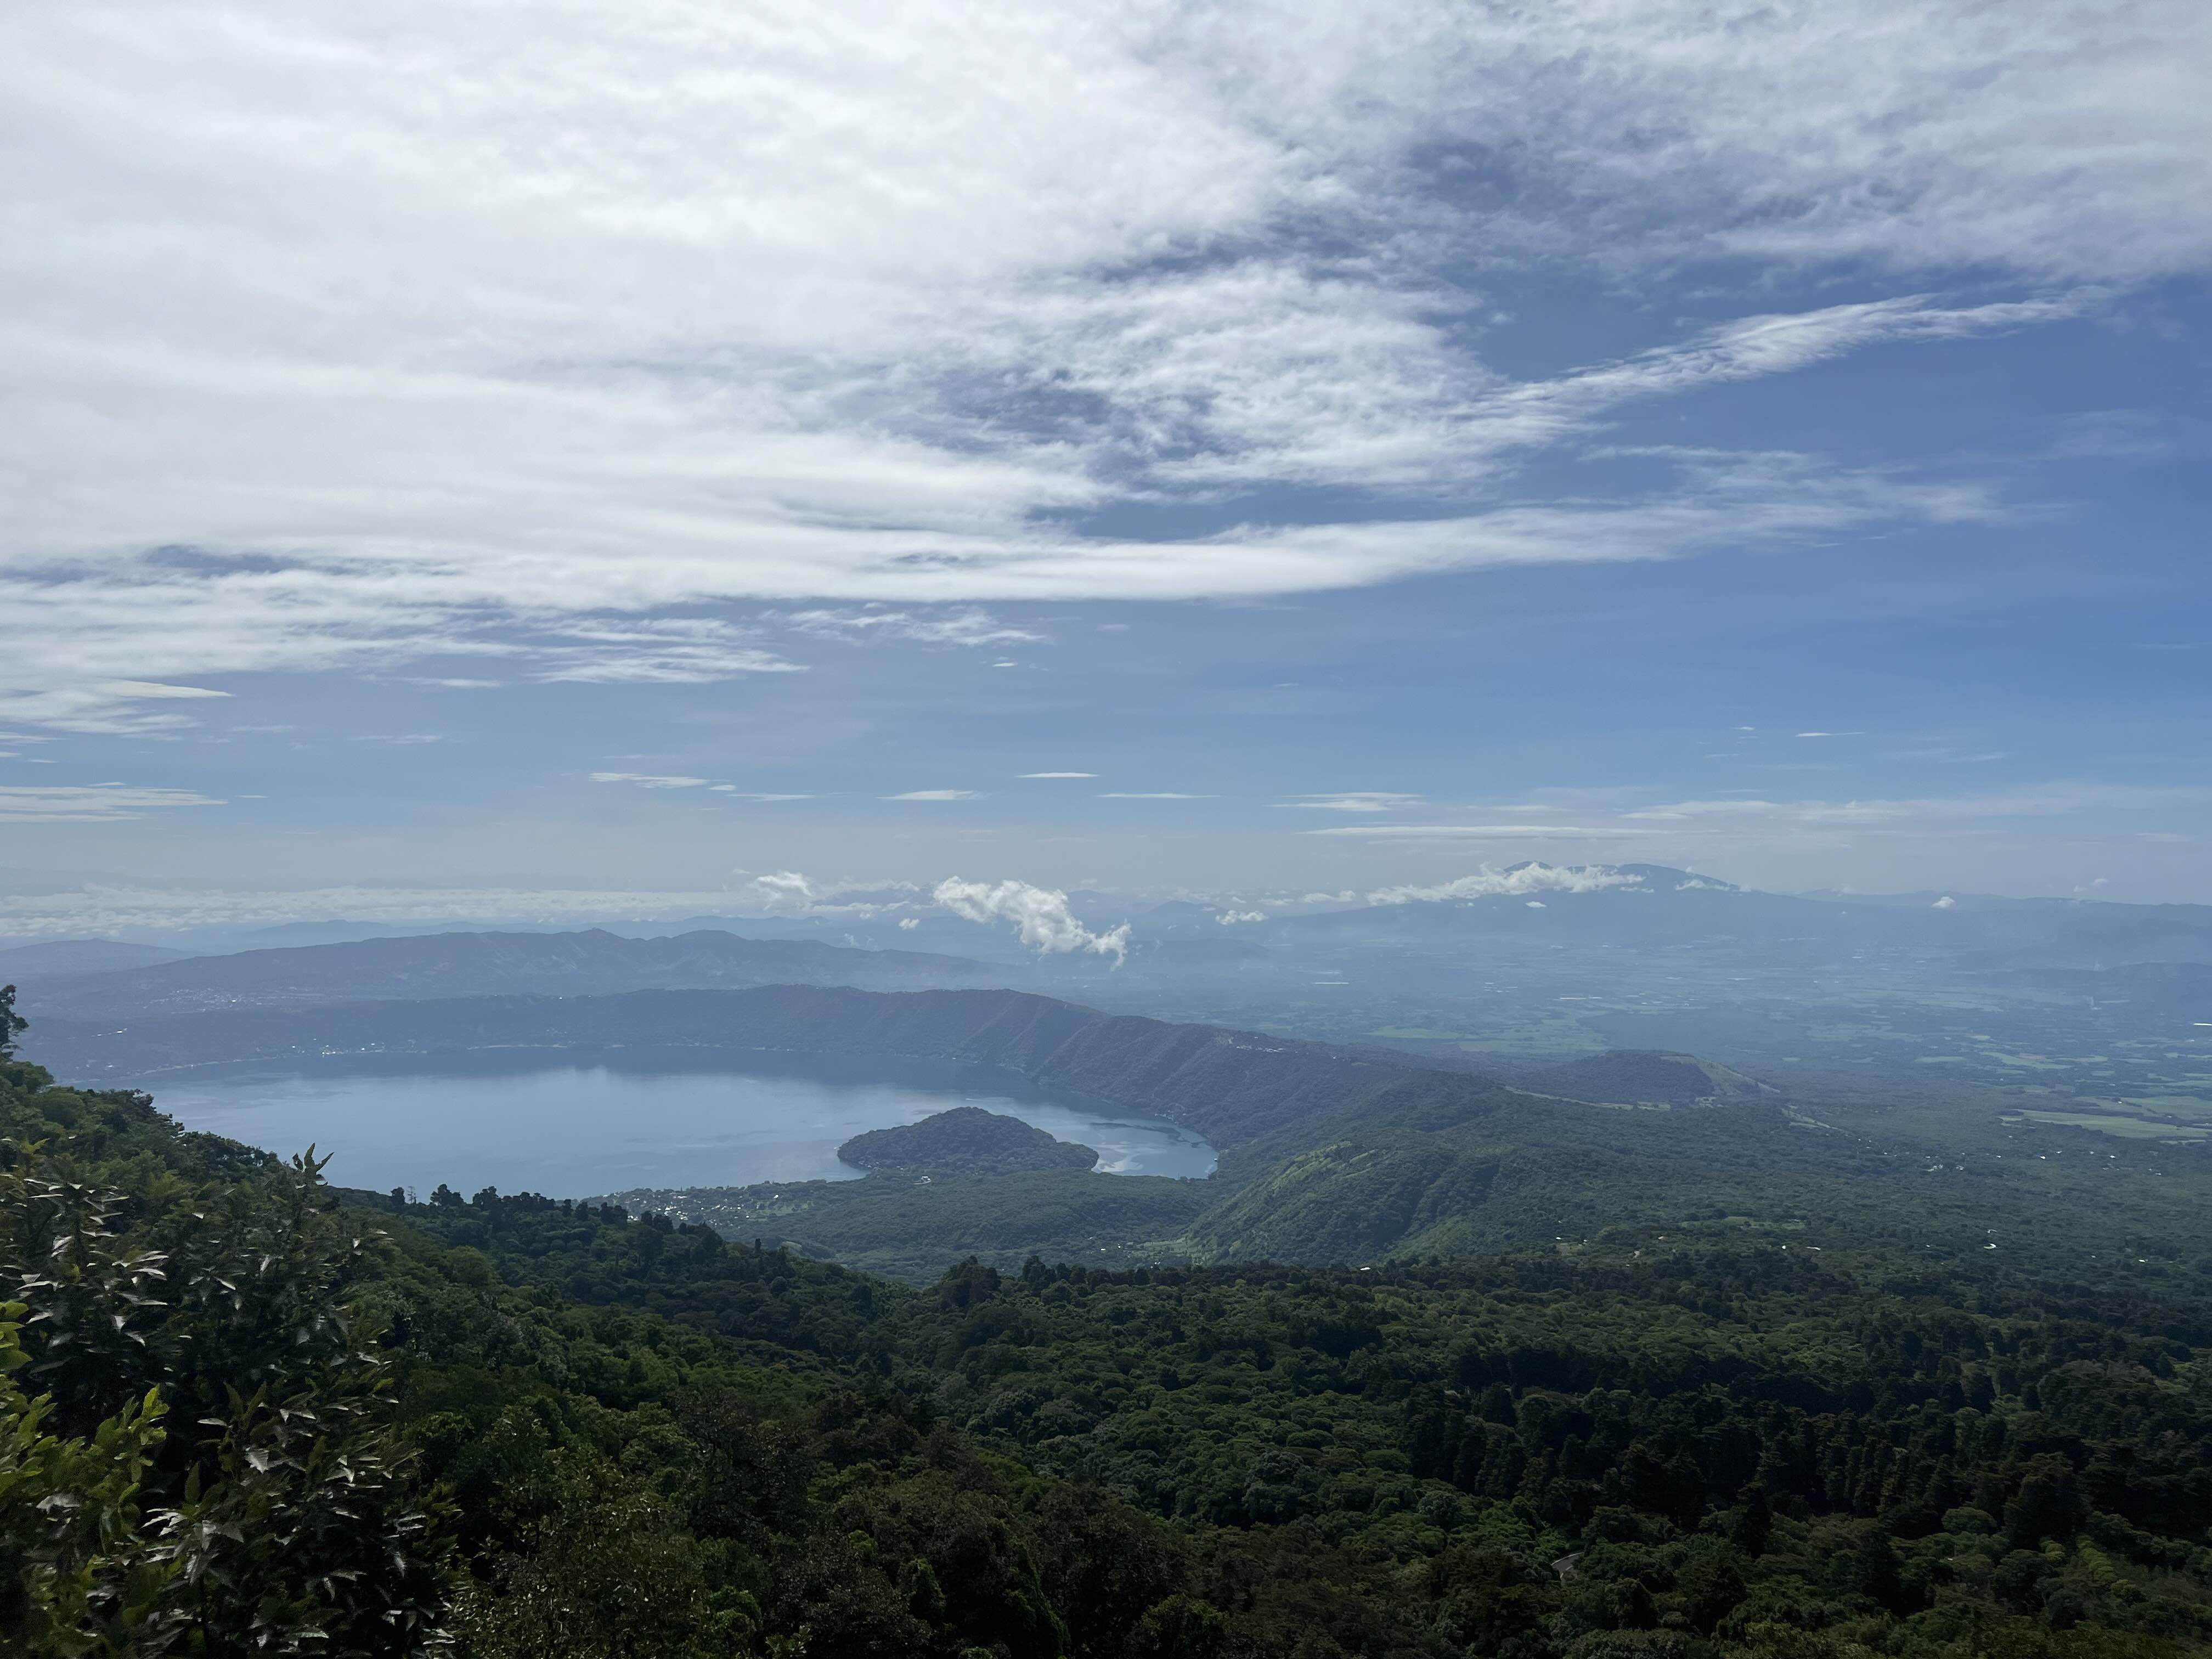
column 463, row 466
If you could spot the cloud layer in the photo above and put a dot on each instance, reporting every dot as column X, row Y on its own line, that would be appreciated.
column 339, row 338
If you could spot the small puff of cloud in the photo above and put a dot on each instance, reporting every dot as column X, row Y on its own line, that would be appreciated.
column 784, row 892
column 649, row 780
column 1042, row 913
column 1947, row 903
column 1520, row 880
column 1353, row 801
column 936, row 794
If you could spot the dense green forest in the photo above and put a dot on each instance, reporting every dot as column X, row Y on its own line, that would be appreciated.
column 965, row 1140
column 246, row 1413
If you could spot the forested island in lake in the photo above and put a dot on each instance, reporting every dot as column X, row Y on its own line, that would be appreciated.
column 965, row 1140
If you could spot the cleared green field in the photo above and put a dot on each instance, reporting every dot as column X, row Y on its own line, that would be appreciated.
column 2127, row 1128
column 2188, row 1106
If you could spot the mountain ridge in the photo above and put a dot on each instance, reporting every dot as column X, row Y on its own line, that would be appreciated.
column 440, row 966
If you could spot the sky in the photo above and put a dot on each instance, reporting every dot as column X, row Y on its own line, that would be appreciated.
column 504, row 461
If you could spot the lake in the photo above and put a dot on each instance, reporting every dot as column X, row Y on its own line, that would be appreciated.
column 574, row 1126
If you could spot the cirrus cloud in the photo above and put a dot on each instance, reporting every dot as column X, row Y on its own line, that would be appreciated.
column 1357, row 800
column 514, row 333
column 91, row 802
column 651, row 781
column 1481, row 832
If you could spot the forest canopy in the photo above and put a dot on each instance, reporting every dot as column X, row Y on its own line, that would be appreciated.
column 244, row 1412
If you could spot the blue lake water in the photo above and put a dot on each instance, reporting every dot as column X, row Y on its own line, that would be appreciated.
column 574, row 1126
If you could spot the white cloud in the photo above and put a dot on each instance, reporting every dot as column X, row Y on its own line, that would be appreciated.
column 69, row 703
column 1041, row 913
column 1479, row 832
column 784, row 892
column 665, row 651
column 2046, row 801
column 789, row 893
column 1233, row 918
column 938, row 794
column 969, row 626
column 512, row 330
column 2045, row 135
column 650, row 780
column 1517, row 882
column 96, row 803
column 1358, row 800
column 1947, row 903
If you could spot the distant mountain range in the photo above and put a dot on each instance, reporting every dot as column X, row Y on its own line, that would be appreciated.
column 441, row 966
column 1630, row 956
column 1643, row 906
column 73, row 958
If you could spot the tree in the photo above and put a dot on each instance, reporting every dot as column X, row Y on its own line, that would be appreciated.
column 12, row 1024
column 215, row 1426
column 81, row 1574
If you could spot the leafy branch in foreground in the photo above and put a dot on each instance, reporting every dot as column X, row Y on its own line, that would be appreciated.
column 217, row 1467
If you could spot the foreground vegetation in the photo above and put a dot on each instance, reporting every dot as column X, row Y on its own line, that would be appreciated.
column 241, row 1412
